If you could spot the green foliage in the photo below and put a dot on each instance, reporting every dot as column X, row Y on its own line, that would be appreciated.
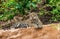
column 56, row 9
column 9, row 8
column 55, row 5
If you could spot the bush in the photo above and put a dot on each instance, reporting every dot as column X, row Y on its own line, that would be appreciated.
column 8, row 8
column 52, row 7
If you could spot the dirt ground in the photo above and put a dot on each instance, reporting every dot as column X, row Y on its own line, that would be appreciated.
column 46, row 32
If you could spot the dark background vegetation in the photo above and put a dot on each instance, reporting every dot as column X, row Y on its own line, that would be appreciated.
column 49, row 10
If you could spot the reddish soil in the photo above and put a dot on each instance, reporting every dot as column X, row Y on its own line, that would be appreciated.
column 30, row 33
